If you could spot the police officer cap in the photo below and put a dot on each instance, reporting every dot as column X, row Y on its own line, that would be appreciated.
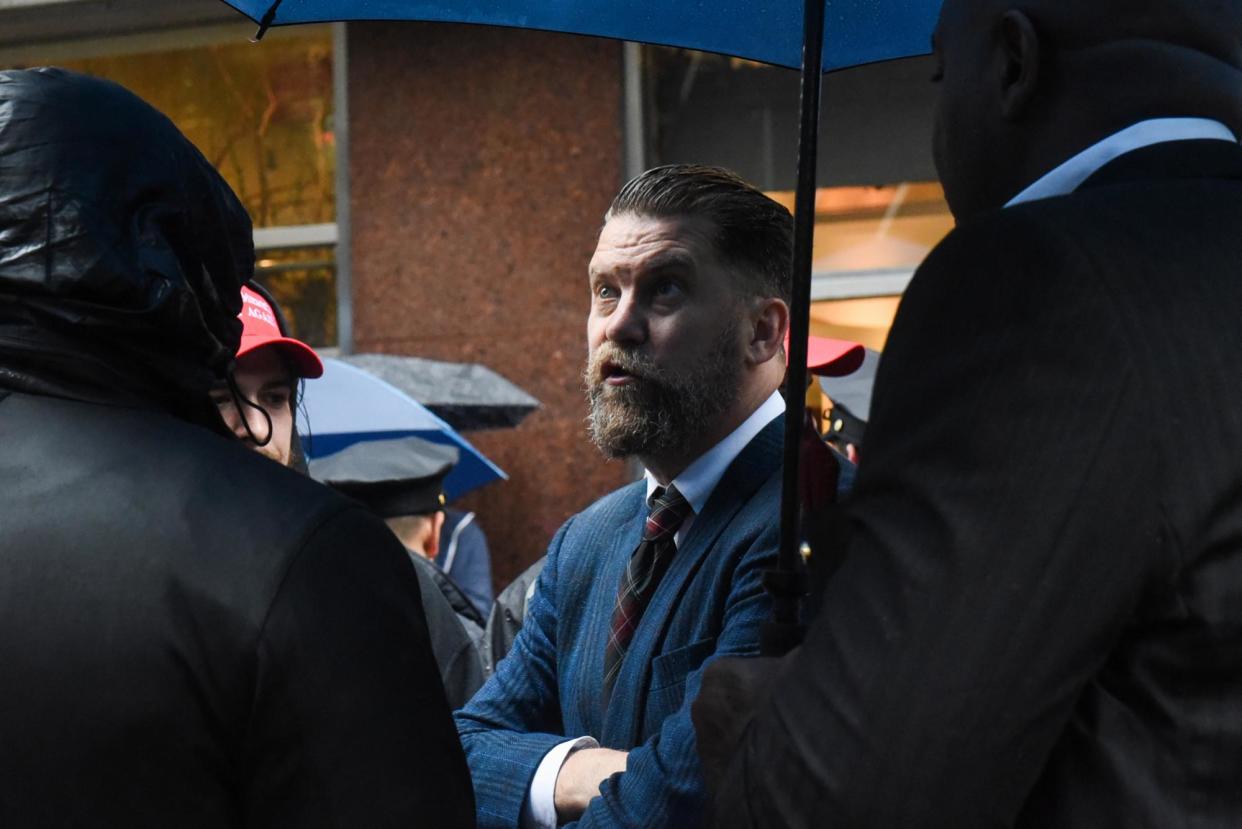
column 403, row 476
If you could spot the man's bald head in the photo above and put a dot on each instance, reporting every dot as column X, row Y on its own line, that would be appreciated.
column 1028, row 83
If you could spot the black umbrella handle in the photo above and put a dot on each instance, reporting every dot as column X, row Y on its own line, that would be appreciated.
column 787, row 584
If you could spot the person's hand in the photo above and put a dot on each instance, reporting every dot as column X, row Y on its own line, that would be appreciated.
column 580, row 778
column 731, row 693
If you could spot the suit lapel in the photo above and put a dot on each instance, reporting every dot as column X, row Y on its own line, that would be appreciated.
column 755, row 464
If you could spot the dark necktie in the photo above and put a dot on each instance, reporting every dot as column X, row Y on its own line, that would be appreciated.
column 647, row 565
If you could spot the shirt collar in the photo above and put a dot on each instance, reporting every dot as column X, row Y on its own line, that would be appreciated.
column 699, row 479
column 1066, row 177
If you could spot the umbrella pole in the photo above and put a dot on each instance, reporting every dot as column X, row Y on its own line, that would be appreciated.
column 787, row 583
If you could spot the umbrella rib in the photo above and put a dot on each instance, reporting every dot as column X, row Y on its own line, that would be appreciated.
column 266, row 21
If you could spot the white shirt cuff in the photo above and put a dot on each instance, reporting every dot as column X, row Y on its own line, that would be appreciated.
column 539, row 811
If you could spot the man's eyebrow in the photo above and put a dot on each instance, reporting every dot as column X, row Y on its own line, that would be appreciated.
column 656, row 262
column 669, row 260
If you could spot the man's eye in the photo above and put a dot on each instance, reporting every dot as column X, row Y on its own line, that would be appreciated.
column 667, row 288
column 605, row 292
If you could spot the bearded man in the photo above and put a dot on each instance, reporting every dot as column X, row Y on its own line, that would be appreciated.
column 586, row 721
column 1038, row 620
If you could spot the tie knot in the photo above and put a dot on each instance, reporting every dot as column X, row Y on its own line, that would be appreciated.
column 668, row 510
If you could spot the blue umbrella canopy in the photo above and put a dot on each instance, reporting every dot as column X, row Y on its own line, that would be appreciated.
column 855, row 31
column 348, row 405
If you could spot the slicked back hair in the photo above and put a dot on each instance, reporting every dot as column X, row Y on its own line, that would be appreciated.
column 752, row 233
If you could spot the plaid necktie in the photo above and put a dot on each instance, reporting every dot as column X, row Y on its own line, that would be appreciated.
column 647, row 565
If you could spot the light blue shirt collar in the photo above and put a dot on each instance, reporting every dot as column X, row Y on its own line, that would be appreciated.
column 1068, row 176
column 699, row 479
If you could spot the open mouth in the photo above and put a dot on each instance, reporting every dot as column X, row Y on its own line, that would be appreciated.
column 614, row 375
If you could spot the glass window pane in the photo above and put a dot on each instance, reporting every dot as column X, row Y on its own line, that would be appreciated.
column 875, row 228
column 261, row 113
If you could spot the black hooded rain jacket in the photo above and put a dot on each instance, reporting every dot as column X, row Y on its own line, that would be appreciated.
column 188, row 637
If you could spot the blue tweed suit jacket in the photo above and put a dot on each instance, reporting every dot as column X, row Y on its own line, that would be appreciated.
column 710, row 603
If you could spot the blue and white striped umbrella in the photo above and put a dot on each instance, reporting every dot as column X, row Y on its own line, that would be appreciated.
column 347, row 406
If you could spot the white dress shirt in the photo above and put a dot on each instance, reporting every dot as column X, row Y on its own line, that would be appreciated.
column 1066, row 177
column 696, row 484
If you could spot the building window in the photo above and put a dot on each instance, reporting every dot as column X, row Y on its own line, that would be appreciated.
column 868, row 242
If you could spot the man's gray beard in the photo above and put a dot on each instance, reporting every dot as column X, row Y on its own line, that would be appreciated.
column 660, row 412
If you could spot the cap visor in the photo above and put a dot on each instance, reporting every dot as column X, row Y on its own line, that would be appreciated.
column 833, row 358
column 305, row 361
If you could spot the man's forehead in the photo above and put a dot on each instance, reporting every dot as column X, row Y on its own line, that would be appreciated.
column 633, row 241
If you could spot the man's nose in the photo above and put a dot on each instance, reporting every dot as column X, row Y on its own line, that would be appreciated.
column 627, row 324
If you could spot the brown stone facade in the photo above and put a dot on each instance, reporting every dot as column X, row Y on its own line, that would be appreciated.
column 481, row 162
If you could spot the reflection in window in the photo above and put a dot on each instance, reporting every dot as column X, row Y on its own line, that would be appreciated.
column 261, row 114
column 875, row 228
column 862, row 231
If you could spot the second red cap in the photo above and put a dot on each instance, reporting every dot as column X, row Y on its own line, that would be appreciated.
column 831, row 358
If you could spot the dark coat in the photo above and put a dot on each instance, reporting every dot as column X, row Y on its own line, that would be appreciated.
column 454, row 638
column 190, row 634
column 508, row 614
column 1039, row 618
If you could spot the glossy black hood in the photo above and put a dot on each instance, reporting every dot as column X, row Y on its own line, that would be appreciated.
column 122, row 251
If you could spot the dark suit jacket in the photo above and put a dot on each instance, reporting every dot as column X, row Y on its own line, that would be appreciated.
column 709, row 603
column 192, row 636
column 1039, row 619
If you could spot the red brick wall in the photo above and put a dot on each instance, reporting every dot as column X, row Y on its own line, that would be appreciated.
column 481, row 162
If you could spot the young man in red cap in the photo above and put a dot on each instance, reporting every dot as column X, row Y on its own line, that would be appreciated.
column 260, row 409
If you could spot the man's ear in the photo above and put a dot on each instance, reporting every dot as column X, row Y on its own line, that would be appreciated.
column 432, row 545
column 769, row 318
column 1020, row 55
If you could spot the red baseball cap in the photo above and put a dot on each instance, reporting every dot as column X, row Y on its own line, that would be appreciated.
column 260, row 329
column 831, row 358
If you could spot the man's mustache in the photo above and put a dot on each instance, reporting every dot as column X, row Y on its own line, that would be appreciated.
column 636, row 364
